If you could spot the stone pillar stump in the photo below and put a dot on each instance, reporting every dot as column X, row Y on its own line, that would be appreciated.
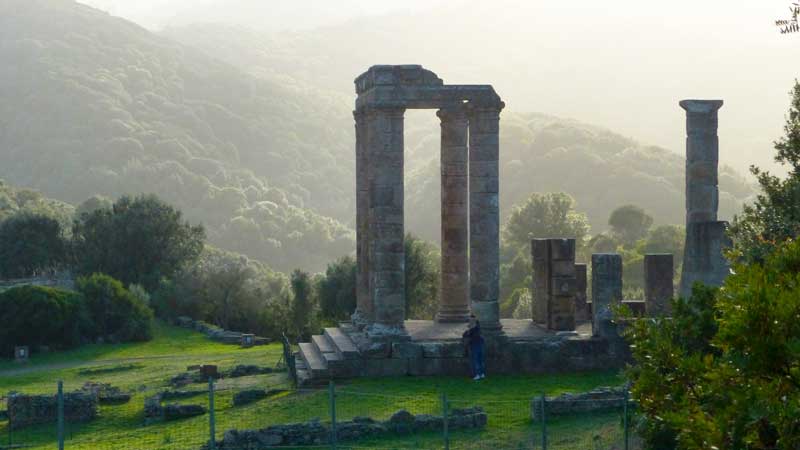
column 606, row 292
column 658, row 284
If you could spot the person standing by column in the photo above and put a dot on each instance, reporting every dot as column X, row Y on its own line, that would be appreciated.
column 475, row 342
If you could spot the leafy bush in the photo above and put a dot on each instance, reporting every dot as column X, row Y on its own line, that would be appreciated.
column 337, row 289
column 116, row 314
column 724, row 371
column 40, row 316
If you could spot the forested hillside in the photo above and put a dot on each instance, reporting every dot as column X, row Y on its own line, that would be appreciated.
column 258, row 145
column 93, row 104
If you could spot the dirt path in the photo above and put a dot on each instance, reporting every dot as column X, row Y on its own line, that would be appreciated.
column 100, row 362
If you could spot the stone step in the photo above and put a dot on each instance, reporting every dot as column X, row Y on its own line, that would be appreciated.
column 313, row 359
column 342, row 344
column 323, row 344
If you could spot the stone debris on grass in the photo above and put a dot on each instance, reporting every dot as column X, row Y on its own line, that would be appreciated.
column 600, row 399
column 315, row 432
column 106, row 393
column 25, row 410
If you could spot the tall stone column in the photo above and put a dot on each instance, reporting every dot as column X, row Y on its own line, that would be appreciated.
column 702, row 160
column 705, row 236
column 484, row 215
column 658, row 284
column 386, row 254
column 606, row 291
column 454, row 283
column 363, row 313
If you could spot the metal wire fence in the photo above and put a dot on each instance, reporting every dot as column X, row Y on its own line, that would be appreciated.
column 224, row 415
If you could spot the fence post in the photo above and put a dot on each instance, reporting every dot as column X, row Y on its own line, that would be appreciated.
column 625, row 416
column 212, row 425
column 544, row 421
column 445, row 421
column 332, row 396
column 60, row 415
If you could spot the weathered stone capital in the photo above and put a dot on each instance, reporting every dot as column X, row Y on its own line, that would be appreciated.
column 701, row 106
column 479, row 108
column 452, row 114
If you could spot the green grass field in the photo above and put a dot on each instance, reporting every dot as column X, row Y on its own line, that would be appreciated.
column 145, row 368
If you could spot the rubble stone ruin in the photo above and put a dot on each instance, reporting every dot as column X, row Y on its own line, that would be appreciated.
column 565, row 330
column 470, row 116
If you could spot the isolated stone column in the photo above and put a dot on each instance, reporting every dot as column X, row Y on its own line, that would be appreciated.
column 363, row 313
column 561, row 307
column 703, row 259
column 702, row 160
column 484, row 214
column 386, row 254
column 581, row 305
column 540, row 289
column 658, row 284
column 606, row 291
column 705, row 236
column 454, row 284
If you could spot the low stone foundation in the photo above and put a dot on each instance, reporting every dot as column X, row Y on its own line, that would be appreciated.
column 154, row 411
column 318, row 433
column 601, row 399
column 106, row 394
column 216, row 333
column 26, row 410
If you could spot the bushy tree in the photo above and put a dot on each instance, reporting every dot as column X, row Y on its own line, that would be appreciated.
column 550, row 215
column 29, row 244
column 666, row 239
column 302, row 304
column 115, row 314
column 337, row 289
column 139, row 240
column 630, row 223
column 724, row 372
column 423, row 266
column 41, row 316
column 774, row 217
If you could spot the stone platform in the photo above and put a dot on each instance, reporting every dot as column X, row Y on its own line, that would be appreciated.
column 432, row 348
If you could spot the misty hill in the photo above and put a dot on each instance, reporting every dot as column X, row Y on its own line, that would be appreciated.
column 91, row 104
column 260, row 151
column 539, row 152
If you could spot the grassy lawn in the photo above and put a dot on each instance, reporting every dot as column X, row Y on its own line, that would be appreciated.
column 145, row 368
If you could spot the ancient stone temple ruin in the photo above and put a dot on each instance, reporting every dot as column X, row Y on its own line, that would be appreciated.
column 567, row 330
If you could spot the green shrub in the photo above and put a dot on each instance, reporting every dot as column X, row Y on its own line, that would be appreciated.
column 116, row 314
column 37, row 316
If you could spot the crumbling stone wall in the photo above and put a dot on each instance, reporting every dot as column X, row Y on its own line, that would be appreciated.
column 26, row 410
column 317, row 433
column 601, row 399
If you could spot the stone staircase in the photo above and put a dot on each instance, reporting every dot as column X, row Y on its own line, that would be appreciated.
column 328, row 356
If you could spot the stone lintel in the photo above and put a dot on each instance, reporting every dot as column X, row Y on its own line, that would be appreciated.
column 700, row 106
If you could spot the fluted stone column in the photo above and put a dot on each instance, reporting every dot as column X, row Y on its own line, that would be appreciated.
column 386, row 254
column 702, row 160
column 454, row 283
column 540, row 289
column 658, row 284
column 606, row 291
column 363, row 313
column 484, row 215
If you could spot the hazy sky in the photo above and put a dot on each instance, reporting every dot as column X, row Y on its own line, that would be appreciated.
column 623, row 64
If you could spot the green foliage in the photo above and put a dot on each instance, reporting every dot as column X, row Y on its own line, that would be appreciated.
column 40, row 316
column 115, row 314
column 337, row 289
column 31, row 243
column 302, row 305
column 139, row 240
column 774, row 217
column 549, row 215
column 228, row 290
column 630, row 223
column 666, row 239
column 724, row 372
column 423, row 268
